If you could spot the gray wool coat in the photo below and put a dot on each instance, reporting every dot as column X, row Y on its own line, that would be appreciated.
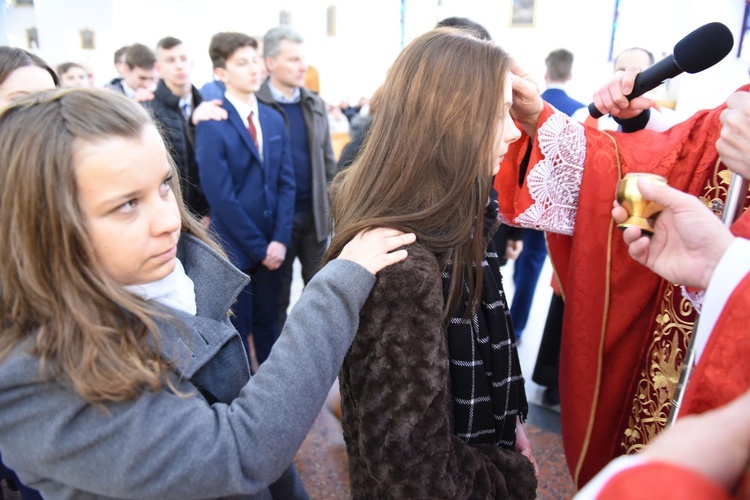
column 163, row 446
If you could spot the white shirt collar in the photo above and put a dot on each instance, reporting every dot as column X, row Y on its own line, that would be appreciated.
column 554, row 85
column 130, row 93
column 189, row 101
column 242, row 107
column 279, row 96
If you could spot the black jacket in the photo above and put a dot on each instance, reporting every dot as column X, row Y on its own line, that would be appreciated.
column 179, row 134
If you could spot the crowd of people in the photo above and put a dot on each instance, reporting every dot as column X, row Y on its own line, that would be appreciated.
column 147, row 261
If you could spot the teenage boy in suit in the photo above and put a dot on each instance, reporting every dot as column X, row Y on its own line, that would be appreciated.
column 245, row 169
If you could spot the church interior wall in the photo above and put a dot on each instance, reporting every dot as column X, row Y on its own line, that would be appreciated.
column 369, row 34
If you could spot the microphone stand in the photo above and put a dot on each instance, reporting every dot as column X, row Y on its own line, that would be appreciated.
column 736, row 194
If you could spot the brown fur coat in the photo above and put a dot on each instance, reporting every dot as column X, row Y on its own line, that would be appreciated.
column 397, row 405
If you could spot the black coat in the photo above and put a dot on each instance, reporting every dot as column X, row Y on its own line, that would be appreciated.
column 179, row 134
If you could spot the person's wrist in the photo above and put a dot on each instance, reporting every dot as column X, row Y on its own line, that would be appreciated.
column 635, row 123
column 723, row 242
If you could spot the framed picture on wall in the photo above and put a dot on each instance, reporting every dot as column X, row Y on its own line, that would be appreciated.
column 23, row 3
column 285, row 17
column 87, row 40
column 523, row 13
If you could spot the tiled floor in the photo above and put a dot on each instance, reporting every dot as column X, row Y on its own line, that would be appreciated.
column 322, row 458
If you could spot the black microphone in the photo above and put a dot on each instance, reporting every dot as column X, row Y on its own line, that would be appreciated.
column 699, row 50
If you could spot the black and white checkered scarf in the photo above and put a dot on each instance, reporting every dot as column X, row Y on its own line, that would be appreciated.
column 486, row 381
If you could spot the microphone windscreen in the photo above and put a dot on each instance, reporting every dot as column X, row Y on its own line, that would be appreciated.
column 703, row 47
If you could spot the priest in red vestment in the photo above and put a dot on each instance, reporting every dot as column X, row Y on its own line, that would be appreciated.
column 700, row 457
column 625, row 329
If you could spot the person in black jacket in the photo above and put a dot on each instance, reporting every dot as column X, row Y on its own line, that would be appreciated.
column 138, row 74
column 177, row 106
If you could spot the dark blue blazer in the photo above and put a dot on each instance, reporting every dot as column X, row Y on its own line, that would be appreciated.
column 560, row 100
column 252, row 202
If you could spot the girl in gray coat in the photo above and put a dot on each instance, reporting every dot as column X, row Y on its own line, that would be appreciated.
column 120, row 373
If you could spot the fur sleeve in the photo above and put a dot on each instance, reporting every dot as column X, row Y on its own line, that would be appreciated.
column 397, row 405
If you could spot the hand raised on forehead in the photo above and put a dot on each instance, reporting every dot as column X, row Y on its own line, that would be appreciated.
column 527, row 101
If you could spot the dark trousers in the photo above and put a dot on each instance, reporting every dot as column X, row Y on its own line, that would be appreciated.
column 547, row 367
column 525, row 276
column 256, row 308
column 305, row 247
column 14, row 484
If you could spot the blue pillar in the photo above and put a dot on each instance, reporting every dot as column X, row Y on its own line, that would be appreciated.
column 3, row 25
column 403, row 22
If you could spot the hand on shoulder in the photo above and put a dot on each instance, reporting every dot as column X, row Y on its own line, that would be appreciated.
column 375, row 249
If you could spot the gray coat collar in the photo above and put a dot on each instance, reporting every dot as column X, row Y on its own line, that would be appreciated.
column 191, row 342
column 217, row 281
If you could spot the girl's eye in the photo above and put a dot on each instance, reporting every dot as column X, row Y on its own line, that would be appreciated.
column 166, row 186
column 127, row 207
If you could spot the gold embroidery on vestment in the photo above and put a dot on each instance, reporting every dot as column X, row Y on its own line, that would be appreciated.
column 656, row 387
column 673, row 327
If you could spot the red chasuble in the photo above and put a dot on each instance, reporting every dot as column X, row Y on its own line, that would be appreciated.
column 722, row 373
column 660, row 480
column 625, row 330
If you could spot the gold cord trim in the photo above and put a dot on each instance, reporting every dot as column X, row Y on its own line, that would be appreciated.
column 605, row 317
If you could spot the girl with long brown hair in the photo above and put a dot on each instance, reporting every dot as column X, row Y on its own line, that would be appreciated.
column 120, row 373
column 23, row 73
column 432, row 394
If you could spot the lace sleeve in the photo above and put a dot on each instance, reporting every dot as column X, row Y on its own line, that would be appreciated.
column 554, row 182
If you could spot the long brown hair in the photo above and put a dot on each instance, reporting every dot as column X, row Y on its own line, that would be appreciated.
column 12, row 58
column 82, row 324
column 426, row 166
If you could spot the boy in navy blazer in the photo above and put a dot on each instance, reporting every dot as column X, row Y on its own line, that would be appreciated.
column 245, row 170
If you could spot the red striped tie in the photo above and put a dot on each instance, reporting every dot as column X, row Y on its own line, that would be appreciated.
column 251, row 129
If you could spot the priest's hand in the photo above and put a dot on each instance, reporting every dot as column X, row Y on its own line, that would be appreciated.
column 688, row 240
column 527, row 101
column 734, row 143
column 611, row 98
